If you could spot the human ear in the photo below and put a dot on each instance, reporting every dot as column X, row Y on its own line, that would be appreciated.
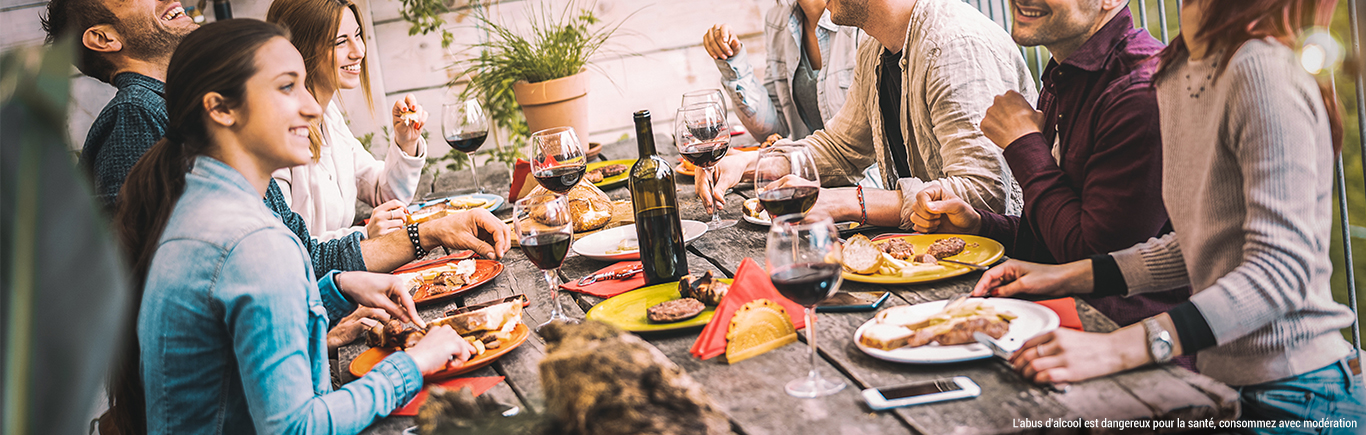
column 102, row 38
column 216, row 106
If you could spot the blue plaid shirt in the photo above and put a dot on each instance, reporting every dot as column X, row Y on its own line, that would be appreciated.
column 136, row 119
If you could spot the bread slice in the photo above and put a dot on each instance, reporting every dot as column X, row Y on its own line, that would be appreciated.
column 886, row 337
column 861, row 256
column 902, row 316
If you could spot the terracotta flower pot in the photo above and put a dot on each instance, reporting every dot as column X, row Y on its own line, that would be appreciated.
column 556, row 103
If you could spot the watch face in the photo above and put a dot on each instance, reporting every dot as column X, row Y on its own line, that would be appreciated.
column 1161, row 349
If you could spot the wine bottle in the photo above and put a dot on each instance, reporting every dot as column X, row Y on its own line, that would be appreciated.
column 654, row 197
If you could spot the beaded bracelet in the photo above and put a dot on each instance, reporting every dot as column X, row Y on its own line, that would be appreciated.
column 417, row 244
column 863, row 207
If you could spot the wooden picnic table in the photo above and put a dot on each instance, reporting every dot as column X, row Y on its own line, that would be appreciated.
column 751, row 391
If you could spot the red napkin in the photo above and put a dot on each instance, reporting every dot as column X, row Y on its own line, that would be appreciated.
column 477, row 386
column 1067, row 312
column 751, row 282
column 612, row 287
column 459, row 255
column 522, row 182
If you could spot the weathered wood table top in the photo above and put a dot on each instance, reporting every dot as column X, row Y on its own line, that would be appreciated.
column 751, row 391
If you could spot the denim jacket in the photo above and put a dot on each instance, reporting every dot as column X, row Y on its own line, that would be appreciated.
column 769, row 109
column 233, row 326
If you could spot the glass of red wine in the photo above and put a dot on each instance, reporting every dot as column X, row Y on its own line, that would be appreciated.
column 786, row 179
column 545, row 231
column 702, row 135
column 557, row 159
column 804, row 263
column 465, row 127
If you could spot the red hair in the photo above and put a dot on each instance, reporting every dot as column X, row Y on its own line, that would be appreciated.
column 1227, row 24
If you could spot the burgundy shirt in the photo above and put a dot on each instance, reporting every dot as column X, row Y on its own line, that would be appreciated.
column 1106, row 195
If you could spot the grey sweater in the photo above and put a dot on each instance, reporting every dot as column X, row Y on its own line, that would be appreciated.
column 1247, row 178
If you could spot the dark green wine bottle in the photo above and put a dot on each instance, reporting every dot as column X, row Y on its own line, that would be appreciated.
column 654, row 197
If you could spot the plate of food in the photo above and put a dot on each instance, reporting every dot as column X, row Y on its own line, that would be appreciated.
column 443, row 280
column 685, row 167
column 620, row 243
column 608, row 174
column 915, row 258
column 754, row 212
column 934, row 333
column 494, row 330
column 439, row 208
column 688, row 303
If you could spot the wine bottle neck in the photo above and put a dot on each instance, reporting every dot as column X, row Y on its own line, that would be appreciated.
column 645, row 134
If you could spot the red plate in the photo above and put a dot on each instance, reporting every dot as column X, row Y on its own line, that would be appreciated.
column 368, row 359
column 484, row 271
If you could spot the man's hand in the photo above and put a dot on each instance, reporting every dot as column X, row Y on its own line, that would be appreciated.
column 351, row 327
column 474, row 229
column 720, row 43
column 1018, row 277
column 386, row 218
column 439, row 349
column 728, row 172
column 407, row 132
column 382, row 291
column 938, row 210
column 1010, row 118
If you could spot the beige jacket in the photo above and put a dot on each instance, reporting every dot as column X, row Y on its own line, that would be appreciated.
column 954, row 63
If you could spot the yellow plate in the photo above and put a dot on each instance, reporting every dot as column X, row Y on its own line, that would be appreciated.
column 980, row 250
column 627, row 310
column 615, row 180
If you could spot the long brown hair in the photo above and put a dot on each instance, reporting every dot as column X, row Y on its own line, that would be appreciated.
column 219, row 57
column 1227, row 24
column 314, row 24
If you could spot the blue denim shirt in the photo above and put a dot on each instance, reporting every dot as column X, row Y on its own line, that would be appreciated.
column 233, row 326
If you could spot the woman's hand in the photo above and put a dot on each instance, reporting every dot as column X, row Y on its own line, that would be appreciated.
column 1064, row 356
column 728, row 172
column 440, row 349
column 407, row 132
column 351, row 327
column 720, row 43
column 381, row 291
column 385, row 219
column 1018, row 277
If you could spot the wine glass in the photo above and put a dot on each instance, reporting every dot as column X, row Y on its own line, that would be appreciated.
column 557, row 159
column 713, row 96
column 703, row 137
column 544, row 231
column 465, row 127
column 786, row 179
column 804, row 263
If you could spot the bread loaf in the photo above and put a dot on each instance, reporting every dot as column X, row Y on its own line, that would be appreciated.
column 589, row 208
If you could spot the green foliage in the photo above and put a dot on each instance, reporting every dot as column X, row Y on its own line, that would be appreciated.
column 425, row 17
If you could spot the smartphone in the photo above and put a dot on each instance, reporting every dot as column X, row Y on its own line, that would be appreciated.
column 941, row 390
column 843, row 302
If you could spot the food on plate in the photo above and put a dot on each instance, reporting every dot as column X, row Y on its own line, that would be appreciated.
column 755, row 209
column 443, row 209
column 704, row 288
column 486, row 328
column 944, row 248
column 772, row 139
column 589, row 208
column 900, row 327
column 467, row 202
column 441, row 279
column 596, row 175
column 861, row 256
column 897, row 248
column 626, row 245
column 675, row 310
column 894, row 267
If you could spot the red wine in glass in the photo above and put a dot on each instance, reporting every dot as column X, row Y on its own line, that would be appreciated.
column 546, row 250
column 789, row 200
column 560, row 179
column 704, row 154
column 467, row 143
column 806, row 283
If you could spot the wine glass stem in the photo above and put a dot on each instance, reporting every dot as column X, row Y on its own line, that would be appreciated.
column 811, row 339
column 552, row 278
column 474, row 175
column 708, row 173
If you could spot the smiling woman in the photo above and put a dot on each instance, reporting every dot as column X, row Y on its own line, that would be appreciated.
column 231, row 328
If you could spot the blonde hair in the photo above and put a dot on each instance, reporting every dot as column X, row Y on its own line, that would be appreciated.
column 314, row 25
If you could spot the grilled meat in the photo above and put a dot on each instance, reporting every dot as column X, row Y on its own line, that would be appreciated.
column 949, row 247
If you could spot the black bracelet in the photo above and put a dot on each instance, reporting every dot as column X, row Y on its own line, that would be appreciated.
column 417, row 243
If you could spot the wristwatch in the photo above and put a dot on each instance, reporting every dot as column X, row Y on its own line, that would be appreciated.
column 1159, row 341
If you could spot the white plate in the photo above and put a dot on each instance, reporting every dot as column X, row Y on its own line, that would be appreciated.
column 491, row 202
column 757, row 221
column 597, row 245
column 1033, row 319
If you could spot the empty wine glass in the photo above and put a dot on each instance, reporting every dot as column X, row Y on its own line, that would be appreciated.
column 786, row 180
column 545, row 231
column 703, row 137
column 557, row 159
column 713, row 96
column 804, row 264
column 465, row 127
